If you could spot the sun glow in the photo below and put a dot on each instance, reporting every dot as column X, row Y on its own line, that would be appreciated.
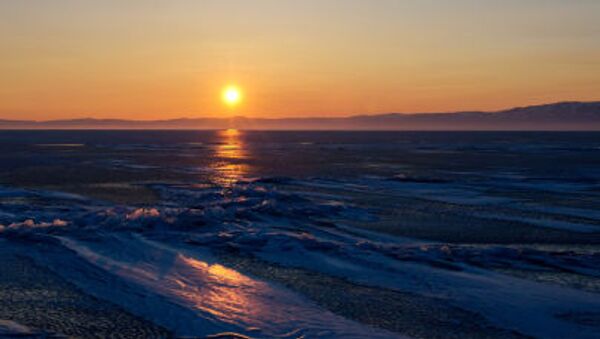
column 232, row 95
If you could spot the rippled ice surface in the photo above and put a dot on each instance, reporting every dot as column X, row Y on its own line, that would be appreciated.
column 505, row 225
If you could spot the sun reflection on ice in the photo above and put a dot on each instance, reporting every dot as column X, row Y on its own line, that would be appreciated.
column 225, row 294
column 229, row 155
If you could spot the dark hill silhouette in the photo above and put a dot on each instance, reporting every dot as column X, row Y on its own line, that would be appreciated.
column 559, row 116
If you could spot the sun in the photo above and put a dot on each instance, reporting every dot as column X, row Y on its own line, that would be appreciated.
column 232, row 95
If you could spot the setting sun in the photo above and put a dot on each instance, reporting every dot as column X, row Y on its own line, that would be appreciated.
column 232, row 95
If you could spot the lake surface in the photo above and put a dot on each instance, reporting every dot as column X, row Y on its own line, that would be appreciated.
column 321, row 234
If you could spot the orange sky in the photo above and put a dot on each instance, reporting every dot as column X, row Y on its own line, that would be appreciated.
column 166, row 59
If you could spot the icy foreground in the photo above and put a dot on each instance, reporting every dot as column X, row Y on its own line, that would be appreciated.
column 330, row 235
column 162, row 257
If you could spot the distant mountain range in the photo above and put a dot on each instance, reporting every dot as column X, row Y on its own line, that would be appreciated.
column 564, row 116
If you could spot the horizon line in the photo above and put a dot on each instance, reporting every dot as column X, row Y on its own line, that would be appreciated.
column 311, row 116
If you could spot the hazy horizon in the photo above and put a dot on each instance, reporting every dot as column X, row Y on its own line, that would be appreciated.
column 308, row 116
column 564, row 116
column 166, row 59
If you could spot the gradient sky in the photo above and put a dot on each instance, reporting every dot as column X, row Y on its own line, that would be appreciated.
column 164, row 59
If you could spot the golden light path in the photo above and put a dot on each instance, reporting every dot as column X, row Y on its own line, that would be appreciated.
column 230, row 154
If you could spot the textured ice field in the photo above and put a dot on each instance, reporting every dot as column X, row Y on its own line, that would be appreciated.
column 501, row 226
